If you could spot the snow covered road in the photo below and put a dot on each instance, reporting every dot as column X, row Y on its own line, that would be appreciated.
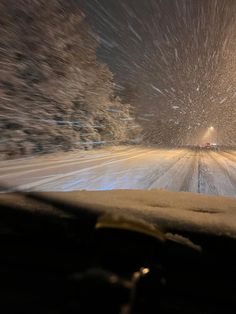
column 125, row 168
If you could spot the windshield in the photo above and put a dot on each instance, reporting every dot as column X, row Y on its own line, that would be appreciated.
column 118, row 94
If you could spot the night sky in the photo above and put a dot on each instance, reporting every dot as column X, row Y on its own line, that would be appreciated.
column 173, row 60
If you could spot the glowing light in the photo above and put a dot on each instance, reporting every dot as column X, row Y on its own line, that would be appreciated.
column 145, row 270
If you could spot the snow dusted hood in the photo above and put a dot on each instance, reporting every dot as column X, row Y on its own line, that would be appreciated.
column 181, row 211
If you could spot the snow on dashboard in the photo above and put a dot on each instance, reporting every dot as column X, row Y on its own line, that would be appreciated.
column 169, row 210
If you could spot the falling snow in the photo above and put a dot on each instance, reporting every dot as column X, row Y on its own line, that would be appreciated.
column 76, row 67
column 172, row 54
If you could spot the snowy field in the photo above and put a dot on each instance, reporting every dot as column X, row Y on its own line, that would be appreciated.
column 123, row 167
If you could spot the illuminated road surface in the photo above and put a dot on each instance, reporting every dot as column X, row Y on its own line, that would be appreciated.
column 125, row 168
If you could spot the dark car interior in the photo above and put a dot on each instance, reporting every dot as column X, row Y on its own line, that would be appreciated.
column 71, row 260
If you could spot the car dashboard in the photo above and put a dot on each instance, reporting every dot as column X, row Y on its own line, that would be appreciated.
column 75, row 261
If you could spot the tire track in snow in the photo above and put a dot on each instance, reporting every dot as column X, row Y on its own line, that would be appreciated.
column 176, row 175
column 230, row 175
column 214, row 178
column 55, row 178
column 56, row 164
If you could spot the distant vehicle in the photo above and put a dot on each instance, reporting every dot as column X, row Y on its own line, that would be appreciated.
column 213, row 146
column 207, row 146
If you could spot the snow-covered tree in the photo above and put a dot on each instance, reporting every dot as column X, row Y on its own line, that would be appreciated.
column 54, row 92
